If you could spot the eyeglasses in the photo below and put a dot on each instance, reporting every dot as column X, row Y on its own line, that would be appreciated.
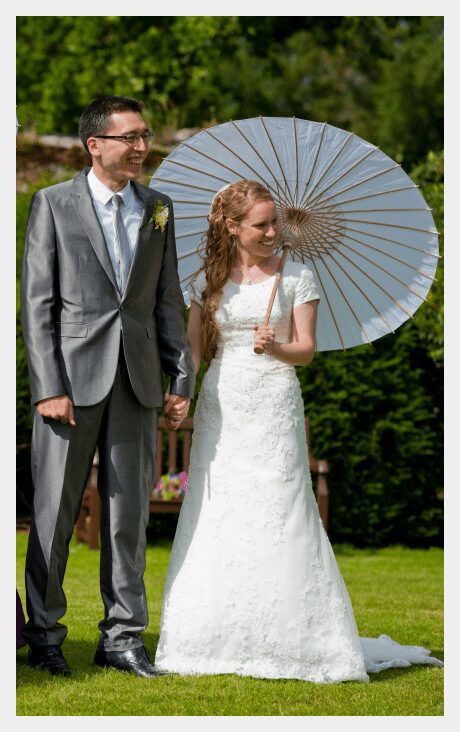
column 131, row 139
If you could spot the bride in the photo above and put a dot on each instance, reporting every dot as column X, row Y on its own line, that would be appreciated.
column 253, row 587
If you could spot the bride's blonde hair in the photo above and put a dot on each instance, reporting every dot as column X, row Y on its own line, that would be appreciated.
column 233, row 202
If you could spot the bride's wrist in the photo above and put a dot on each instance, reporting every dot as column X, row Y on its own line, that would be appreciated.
column 275, row 349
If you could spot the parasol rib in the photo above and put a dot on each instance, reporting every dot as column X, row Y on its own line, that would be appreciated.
column 390, row 256
column 187, row 217
column 393, row 241
column 196, row 170
column 390, row 274
column 331, row 255
column 324, row 235
column 190, row 216
column 374, row 210
column 238, row 173
column 347, row 274
column 335, row 195
column 342, row 175
column 320, row 143
column 285, row 201
column 241, row 160
column 342, row 243
column 377, row 284
column 361, row 198
column 360, row 324
column 392, row 226
column 325, row 226
column 193, row 203
column 192, row 233
column 327, row 168
column 184, row 185
column 187, row 254
column 188, row 279
column 287, row 190
column 296, row 147
column 331, row 310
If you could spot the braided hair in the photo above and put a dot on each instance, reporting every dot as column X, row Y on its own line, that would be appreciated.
column 233, row 202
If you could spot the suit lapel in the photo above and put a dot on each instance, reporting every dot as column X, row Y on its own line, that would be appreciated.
column 144, row 244
column 84, row 207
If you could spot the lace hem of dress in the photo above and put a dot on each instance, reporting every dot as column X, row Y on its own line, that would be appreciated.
column 380, row 654
column 258, row 669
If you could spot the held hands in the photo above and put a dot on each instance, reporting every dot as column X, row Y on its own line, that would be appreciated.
column 59, row 408
column 265, row 337
column 175, row 410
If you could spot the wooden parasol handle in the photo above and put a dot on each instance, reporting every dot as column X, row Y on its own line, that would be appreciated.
column 286, row 249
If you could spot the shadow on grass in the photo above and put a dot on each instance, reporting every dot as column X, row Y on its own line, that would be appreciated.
column 79, row 654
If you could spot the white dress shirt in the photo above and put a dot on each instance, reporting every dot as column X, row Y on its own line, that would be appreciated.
column 131, row 213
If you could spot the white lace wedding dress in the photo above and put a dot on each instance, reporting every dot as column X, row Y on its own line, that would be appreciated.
column 253, row 587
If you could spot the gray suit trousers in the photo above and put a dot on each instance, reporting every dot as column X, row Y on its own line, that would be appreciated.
column 124, row 431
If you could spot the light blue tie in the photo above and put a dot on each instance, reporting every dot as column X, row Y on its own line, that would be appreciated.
column 123, row 243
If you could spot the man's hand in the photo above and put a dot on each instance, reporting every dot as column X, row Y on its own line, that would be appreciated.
column 175, row 410
column 59, row 408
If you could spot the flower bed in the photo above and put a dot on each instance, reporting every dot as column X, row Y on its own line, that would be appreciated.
column 170, row 487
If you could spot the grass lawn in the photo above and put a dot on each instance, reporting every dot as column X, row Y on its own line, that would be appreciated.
column 396, row 591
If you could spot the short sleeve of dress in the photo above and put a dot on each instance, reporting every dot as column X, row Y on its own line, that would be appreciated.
column 197, row 286
column 306, row 288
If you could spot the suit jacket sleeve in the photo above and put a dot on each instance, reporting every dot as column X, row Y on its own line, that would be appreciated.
column 38, row 298
column 175, row 351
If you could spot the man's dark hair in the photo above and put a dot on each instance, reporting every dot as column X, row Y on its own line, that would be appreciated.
column 94, row 119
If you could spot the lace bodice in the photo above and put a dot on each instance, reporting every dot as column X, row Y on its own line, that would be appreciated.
column 243, row 306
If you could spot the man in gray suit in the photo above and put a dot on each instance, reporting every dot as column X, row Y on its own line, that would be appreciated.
column 102, row 317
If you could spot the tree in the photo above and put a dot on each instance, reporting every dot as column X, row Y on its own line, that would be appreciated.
column 380, row 77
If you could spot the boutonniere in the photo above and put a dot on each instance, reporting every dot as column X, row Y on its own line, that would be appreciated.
column 159, row 217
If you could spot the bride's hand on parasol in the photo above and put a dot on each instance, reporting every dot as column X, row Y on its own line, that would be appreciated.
column 265, row 337
column 301, row 350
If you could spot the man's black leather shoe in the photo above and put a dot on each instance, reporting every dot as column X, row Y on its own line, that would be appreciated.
column 134, row 661
column 50, row 659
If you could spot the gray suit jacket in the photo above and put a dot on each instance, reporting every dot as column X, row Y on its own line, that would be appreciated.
column 72, row 311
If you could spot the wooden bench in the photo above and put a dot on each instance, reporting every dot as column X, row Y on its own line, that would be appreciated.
column 87, row 526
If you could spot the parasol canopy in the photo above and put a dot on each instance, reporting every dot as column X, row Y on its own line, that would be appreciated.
column 359, row 222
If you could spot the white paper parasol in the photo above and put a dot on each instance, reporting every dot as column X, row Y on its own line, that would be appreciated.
column 362, row 225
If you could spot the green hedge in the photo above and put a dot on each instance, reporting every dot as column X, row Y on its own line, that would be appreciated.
column 376, row 416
